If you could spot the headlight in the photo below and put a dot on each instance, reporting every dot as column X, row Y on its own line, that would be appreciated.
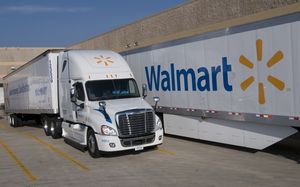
column 106, row 130
column 158, row 124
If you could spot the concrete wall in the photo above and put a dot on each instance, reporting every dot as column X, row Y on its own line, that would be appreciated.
column 191, row 18
column 15, row 57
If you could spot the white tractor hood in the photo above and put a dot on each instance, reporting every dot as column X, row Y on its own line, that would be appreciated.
column 119, row 105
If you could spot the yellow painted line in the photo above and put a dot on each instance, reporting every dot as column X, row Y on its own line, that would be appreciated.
column 165, row 151
column 59, row 152
column 19, row 163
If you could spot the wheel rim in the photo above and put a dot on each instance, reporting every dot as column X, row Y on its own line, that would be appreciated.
column 52, row 127
column 13, row 121
column 92, row 144
column 10, row 120
column 45, row 125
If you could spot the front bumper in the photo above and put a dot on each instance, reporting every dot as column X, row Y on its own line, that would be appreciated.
column 113, row 143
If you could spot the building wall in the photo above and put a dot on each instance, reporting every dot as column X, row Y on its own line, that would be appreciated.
column 191, row 18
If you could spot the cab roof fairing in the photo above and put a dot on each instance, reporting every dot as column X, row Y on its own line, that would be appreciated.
column 98, row 64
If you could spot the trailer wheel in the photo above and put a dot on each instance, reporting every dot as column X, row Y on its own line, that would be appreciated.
column 55, row 128
column 12, row 121
column 18, row 121
column 15, row 121
column 92, row 144
column 46, row 126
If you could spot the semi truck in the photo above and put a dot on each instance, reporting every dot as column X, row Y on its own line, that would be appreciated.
column 88, row 97
column 238, row 85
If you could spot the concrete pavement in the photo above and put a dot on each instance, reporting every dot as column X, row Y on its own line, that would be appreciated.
column 178, row 162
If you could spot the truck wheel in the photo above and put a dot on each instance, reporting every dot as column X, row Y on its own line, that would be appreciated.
column 9, row 120
column 46, row 126
column 15, row 121
column 55, row 128
column 18, row 121
column 12, row 121
column 92, row 144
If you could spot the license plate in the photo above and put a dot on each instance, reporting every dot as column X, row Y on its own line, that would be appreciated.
column 139, row 148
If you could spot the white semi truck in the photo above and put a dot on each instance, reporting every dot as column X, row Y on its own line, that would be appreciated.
column 238, row 85
column 89, row 97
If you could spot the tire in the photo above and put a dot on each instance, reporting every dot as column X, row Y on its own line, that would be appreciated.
column 19, row 121
column 12, row 121
column 92, row 145
column 46, row 126
column 15, row 121
column 55, row 128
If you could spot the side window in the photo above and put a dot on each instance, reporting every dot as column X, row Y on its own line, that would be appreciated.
column 80, row 91
column 132, row 87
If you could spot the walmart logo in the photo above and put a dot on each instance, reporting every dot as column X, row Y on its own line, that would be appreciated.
column 106, row 60
column 214, row 78
column 277, row 83
column 200, row 79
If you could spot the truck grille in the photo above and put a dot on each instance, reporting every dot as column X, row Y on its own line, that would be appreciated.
column 135, row 123
column 128, row 142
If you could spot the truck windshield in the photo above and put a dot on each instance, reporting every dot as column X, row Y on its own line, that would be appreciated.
column 111, row 89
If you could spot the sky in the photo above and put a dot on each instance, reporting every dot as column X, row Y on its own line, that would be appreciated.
column 60, row 23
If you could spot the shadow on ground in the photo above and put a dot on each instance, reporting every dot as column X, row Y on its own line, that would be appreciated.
column 288, row 148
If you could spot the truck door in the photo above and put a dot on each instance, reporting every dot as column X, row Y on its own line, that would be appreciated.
column 80, row 110
column 67, row 108
column 79, row 104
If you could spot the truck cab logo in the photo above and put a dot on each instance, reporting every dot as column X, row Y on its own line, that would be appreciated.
column 276, row 58
column 104, row 60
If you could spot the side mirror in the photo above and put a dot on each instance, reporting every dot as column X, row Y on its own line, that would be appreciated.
column 102, row 105
column 73, row 95
column 156, row 100
column 145, row 92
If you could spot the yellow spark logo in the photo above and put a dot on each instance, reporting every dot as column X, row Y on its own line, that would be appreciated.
column 276, row 58
column 106, row 60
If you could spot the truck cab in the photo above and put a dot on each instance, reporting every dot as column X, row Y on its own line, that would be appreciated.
column 101, row 105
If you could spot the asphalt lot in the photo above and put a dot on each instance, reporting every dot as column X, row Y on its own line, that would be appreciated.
column 29, row 158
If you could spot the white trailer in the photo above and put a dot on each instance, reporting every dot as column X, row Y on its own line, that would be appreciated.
column 89, row 97
column 236, row 86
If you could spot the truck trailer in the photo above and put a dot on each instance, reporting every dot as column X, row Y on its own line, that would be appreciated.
column 89, row 97
column 238, row 85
